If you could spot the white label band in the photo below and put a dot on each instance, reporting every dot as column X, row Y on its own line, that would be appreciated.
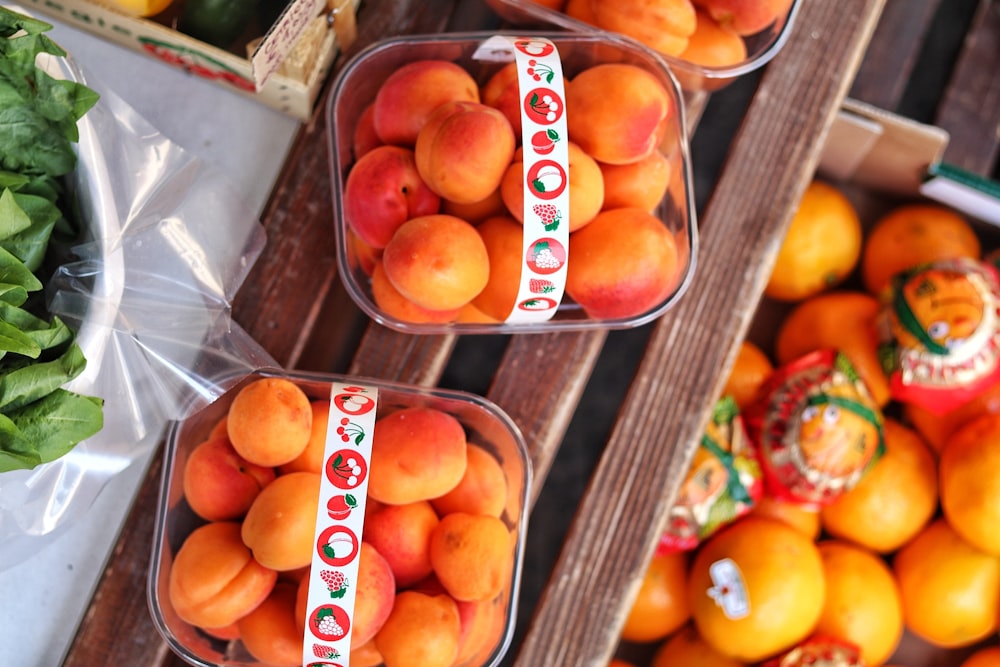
column 340, row 519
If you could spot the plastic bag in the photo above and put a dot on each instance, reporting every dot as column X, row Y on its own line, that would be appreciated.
column 170, row 243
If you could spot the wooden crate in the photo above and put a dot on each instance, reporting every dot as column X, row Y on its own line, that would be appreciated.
column 292, row 89
column 643, row 395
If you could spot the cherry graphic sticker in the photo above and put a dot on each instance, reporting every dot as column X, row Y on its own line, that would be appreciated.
column 346, row 469
column 543, row 106
column 329, row 622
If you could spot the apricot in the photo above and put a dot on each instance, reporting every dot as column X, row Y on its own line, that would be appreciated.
column 360, row 255
column 502, row 93
column 311, row 458
column 662, row 25
column 471, row 555
column 269, row 632
column 438, row 261
column 641, row 184
column 214, row 579
column 364, row 138
column 421, row 630
column 219, row 484
column 617, row 112
column 622, row 264
column 418, row 453
column 477, row 211
column 269, row 421
column 482, row 490
column 392, row 303
column 374, row 596
column 482, row 626
column 280, row 526
column 746, row 17
column 366, row 655
column 463, row 150
column 383, row 190
column 503, row 238
column 226, row 633
column 586, row 187
column 581, row 11
column 714, row 45
column 408, row 96
column 402, row 534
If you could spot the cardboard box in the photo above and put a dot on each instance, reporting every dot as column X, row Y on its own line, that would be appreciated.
column 284, row 69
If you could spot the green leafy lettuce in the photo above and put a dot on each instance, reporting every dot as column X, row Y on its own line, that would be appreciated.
column 39, row 420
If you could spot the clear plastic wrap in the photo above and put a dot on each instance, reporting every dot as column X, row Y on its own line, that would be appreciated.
column 149, row 290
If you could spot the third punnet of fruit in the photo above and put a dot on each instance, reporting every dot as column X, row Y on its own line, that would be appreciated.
column 544, row 188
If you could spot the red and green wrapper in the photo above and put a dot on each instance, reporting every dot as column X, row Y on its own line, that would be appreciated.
column 819, row 652
column 939, row 333
column 816, row 429
column 723, row 483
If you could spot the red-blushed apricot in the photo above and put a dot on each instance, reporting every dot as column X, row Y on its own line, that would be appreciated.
column 745, row 18
column 374, row 595
column 364, row 137
column 482, row 623
column 622, row 264
column 417, row 453
column 662, row 25
column 617, row 112
column 421, row 630
column 219, row 484
column 227, row 633
column 483, row 489
column 366, row 655
column 402, row 534
column 714, row 45
column 641, row 184
column 383, row 190
column 503, row 238
column 501, row 92
column 280, row 526
column 311, row 458
column 269, row 632
column 214, row 579
column 360, row 255
column 581, row 11
column 586, row 188
column 395, row 305
column 408, row 96
column 463, row 150
column 477, row 211
column 269, row 421
column 471, row 555
column 437, row 261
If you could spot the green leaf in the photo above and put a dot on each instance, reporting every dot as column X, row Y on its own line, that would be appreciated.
column 14, row 340
column 25, row 385
column 58, row 422
column 13, row 271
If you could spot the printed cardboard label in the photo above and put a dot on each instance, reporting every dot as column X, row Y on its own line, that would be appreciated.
column 545, row 247
column 339, row 526
column 281, row 38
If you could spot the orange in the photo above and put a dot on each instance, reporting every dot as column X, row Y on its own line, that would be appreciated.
column 661, row 605
column 821, row 247
column 894, row 500
column 913, row 234
column 751, row 368
column 937, row 428
column 969, row 478
column 713, row 45
column 687, row 648
column 844, row 320
column 802, row 518
column 863, row 606
column 756, row 588
column 984, row 657
column 949, row 588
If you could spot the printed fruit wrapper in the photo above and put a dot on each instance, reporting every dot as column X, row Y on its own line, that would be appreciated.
column 939, row 333
column 819, row 652
column 168, row 243
column 723, row 483
column 816, row 428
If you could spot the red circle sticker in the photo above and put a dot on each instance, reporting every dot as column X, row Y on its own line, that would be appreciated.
column 537, row 303
column 354, row 404
column 346, row 469
column 546, row 179
column 543, row 105
column 534, row 47
column 546, row 255
column 337, row 545
column 329, row 622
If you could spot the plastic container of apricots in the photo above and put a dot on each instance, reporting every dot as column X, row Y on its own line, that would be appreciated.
column 708, row 59
column 309, row 518
column 486, row 183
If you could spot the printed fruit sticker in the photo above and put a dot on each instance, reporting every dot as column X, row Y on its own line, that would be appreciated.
column 339, row 507
column 325, row 652
column 728, row 589
column 549, row 216
column 329, row 622
column 543, row 105
column 336, row 583
column 546, row 179
column 539, row 303
column 544, row 141
column 545, row 256
column 346, row 469
column 337, row 545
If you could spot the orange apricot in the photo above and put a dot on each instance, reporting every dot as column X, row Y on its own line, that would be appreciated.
column 471, row 555
column 374, row 596
column 713, row 45
column 270, row 421
column 219, row 484
column 640, row 184
column 503, row 237
column 269, row 632
column 391, row 302
column 311, row 458
column 402, row 534
column 421, row 630
column 482, row 490
column 280, row 526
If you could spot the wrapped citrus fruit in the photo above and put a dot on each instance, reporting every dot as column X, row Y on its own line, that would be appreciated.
column 816, row 428
column 819, row 652
column 939, row 333
column 722, row 484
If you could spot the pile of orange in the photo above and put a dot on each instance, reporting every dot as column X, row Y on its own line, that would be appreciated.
column 911, row 554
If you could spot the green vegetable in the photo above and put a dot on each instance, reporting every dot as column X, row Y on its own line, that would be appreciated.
column 217, row 22
column 39, row 420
